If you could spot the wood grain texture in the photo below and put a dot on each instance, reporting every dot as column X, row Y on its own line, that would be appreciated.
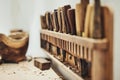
column 52, row 22
column 107, row 15
column 43, row 22
column 97, row 23
column 60, row 19
column 65, row 23
column 66, row 7
column 72, row 22
column 80, row 16
column 13, row 47
column 88, row 42
column 87, row 24
column 48, row 21
column 105, row 57
column 15, row 40
column 55, row 20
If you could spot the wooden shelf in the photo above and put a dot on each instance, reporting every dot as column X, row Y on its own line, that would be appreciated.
column 88, row 42
column 97, row 52
column 79, row 47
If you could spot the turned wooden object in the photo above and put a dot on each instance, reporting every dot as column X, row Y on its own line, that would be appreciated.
column 13, row 47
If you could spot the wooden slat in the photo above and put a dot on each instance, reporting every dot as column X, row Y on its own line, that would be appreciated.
column 88, row 42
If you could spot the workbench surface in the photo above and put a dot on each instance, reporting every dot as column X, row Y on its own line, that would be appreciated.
column 25, row 71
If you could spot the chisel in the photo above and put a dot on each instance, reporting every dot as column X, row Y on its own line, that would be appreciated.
column 48, row 21
column 80, row 16
column 59, row 19
column 97, row 31
column 87, row 20
column 43, row 22
column 55, row 19
column 71, row 19
column 65, row 23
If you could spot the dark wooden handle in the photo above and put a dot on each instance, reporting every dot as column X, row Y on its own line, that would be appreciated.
column 71, row 19
column 97, row 25
column 43, row 22
column 59, row 19
column 55, row 17
column 48, row 21
column 65, row 23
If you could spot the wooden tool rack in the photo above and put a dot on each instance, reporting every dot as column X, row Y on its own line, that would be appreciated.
column 99, row 52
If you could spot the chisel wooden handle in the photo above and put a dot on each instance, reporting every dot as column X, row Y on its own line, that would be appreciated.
column 71, row 19
column 48, row 21
column 54, row 24
column 66, row 7
column 84, row 4
column 43, row 22
column 65, row 23
column 88, row 20
column 80, row 16
column 60, row 19
column 98, row 28
column 55, row 19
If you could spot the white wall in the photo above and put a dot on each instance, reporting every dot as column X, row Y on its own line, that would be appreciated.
column 23, row 14
column 5, row 16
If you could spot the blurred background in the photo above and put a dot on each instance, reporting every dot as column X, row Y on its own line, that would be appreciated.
column 25, row 14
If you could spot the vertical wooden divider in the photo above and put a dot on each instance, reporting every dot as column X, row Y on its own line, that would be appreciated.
column 85, row 53
column 99, row 65
column 102, row 63
column 108, row 24
column 81, row 52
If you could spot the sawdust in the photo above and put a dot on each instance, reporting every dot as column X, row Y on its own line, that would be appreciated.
column 25, row 71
